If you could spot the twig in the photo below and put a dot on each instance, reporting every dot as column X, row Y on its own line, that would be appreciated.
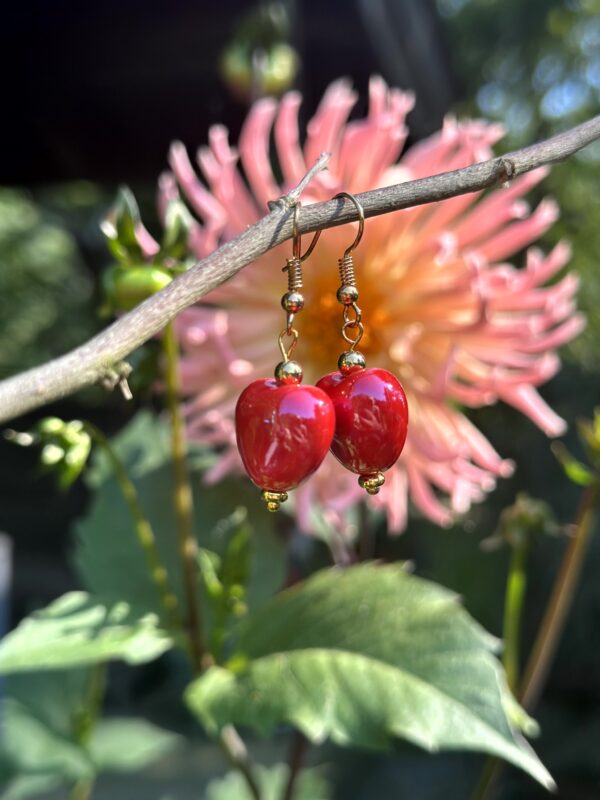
column 90, row 362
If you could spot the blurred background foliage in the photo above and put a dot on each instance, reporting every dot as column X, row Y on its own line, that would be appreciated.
column 104, row 90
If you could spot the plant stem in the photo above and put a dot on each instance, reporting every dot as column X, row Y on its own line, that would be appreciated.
column 230, row 741
column 183, row 500
column 82, row 790
column 297, row 753
column 237, row 754
column 561, row 599
column 143, row 530
column 513, row 608
column 85, row 722
column 552, row 624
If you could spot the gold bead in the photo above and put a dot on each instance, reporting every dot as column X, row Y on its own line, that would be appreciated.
column 288, row 372
column 347, row 295
column 292, row 302
column 350, row 361
column 372, row 483
column 273, row 499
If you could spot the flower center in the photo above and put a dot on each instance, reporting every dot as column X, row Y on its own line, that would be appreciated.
column 320, row 324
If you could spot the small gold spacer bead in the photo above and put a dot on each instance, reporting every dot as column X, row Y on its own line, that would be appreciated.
column 288, row 372
column 347, row 294
column 273, row 499
column 292, row 302
column 372, row 483
column 350, row 361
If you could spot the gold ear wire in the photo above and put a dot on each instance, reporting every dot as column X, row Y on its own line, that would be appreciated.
column 347, row 295
column 293, row 301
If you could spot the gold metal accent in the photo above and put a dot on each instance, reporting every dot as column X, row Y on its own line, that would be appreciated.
column 289, row 372
column 273, row 499
column 293, row 301
column 350, row 361
column 372, row 483
column 347, row 294
column 286, row 352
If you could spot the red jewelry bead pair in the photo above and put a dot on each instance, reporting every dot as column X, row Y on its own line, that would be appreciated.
column 284, row 429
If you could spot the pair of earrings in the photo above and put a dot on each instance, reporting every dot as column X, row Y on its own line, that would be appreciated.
column 284, row 429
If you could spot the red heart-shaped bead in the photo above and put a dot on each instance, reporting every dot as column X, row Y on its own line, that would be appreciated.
column 283, row 432
column 371, row 419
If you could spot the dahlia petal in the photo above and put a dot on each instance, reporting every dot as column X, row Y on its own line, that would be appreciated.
column 528, row 401
column 424, row 498
column 520, row 234
column 325, row 128
column 254, row 151
column 201, row 200
column 287, row 139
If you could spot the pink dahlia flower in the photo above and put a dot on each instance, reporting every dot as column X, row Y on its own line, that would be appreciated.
column 443, row 308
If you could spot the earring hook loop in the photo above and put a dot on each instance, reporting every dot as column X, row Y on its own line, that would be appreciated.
column 297, row 238
column 361, row 221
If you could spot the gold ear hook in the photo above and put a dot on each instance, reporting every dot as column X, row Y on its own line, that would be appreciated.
column 361, row 221
column 297, row 238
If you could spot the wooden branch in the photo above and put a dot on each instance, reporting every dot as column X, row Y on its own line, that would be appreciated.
column 102, row 355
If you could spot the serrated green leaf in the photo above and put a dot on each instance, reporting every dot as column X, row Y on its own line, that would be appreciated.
column 127, row 745
column 310, row 785
column 76, row 630
column 363, row 656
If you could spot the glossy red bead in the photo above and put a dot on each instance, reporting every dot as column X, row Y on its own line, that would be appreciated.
column 371, row 415
column 283, row 432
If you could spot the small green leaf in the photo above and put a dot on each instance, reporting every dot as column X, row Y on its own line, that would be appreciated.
column 178, row 222
column 127, row 745
column 76, row 630
column 574, row 469
column 272, row 781
column 119, row 228
column 363, row 656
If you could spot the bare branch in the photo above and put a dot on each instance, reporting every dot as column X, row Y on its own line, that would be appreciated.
column 95, row 360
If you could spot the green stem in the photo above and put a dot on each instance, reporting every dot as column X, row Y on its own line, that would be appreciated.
column 143, row 531
column 230, row 741
column 513, row 608
column 86, row 722
column 551, row 628
column 561, row 599
column 82, row 790
column 183, row 500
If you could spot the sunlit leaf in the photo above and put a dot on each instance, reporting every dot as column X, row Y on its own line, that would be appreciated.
column 363, row 656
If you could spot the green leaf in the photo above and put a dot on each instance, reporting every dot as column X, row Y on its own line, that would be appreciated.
column 76, row 630
column 363, row 656
column 40, row 713
column 31, row 786
column 272, row 781
column 178, row 222
column 108, row 555
column 574, row 469
column 128, row 745
column 120, row 228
